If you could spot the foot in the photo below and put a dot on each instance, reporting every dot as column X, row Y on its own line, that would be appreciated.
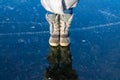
column 54, row 41
column 64, row 40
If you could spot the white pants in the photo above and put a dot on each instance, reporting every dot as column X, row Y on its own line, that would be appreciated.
column 58, row 6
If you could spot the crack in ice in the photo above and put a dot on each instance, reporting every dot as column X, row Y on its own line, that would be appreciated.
column 76, row 29
column 24, row 33
column 23, row 23
column 97, row 26
column 108, row 13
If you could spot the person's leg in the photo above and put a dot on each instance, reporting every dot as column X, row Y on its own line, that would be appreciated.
column 65, row 21
column 53, row 20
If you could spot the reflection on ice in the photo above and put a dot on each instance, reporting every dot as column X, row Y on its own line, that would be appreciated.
column 60, row 65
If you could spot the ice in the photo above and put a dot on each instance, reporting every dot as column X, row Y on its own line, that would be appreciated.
column 10, row 7
column 44, row 32
column 21, row 40
column 33, row 27
column 13, row 27
column 22, row 1
column 108, row 13
column 97, row 26
column 24, row 33
column 83, row 41
column 7, row 19
column 94, row 36
column 39, row 51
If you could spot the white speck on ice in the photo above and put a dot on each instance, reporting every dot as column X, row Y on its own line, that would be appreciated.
column 33, row 27
column 83, row 40
column 21, row 40
column 10, row 7
column 7, row 19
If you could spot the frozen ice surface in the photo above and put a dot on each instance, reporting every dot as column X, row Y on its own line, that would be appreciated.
column 94, row 53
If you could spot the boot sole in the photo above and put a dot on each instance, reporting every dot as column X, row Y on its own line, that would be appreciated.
column 54, row 44
column 64, row 44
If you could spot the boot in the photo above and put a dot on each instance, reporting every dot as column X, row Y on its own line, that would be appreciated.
column 65, row 21
column 53, row 20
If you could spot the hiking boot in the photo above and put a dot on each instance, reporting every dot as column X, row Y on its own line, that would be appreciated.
column 53, row 20
column 65, row 21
